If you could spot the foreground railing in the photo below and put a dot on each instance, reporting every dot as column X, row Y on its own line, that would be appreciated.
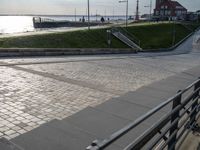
column 168, row 132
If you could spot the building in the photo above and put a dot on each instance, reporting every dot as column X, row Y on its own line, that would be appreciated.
column 191, row 16
column 168, row 9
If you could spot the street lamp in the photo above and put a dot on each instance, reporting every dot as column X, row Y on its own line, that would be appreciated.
column 125, row 1
column 88, row 15
column 75, row 14
column 150, row 9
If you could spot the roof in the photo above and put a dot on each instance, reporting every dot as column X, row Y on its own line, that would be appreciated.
column 173, row 4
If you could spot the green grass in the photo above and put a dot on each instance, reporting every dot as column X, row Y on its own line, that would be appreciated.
column 152, row 36
column 77, row 39
column 158, row 35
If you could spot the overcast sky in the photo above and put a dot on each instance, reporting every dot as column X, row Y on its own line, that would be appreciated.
column 67, row 7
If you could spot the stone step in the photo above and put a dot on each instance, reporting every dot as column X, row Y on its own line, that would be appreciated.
column 85, row 138
column 102, row 124
column 47, row 137
column 56, row 135
column 128, row 110
column 8, row 145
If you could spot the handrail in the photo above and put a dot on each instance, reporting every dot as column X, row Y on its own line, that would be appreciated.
column 128, row 34
column 177, row 106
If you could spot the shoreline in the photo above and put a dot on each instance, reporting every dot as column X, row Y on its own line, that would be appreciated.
column 50, row 30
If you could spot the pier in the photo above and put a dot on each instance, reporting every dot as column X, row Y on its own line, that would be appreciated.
column 39, row 22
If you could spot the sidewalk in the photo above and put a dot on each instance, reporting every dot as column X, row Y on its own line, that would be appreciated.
column 79, row 130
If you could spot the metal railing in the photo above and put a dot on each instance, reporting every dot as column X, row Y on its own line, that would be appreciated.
column 127, row 34
column 169, row 131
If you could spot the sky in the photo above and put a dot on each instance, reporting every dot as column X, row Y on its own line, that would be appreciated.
column 69, row 7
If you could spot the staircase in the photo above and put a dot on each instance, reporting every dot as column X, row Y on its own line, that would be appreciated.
column 126, row 38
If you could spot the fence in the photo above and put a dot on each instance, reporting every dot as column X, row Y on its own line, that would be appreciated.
column 168, row 132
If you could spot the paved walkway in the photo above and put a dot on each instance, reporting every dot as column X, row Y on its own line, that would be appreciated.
column 35, row 91
column 77, row 131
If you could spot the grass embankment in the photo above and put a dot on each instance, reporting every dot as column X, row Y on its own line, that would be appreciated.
column 159, row 35
column 77, row 39
column 152, row 36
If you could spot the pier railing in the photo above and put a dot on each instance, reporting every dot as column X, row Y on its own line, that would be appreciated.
column 168, row 132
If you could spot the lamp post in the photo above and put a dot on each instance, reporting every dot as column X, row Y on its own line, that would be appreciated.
column 150, row 9
column 88, row 15
column 125, row 1
column 75, row 14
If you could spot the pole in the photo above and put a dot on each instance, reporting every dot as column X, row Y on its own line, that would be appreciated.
column 88, row 15
column 174, row 32
column 127, row 14
column 113, row 14
column 137, row 11
column 123, row 1
column 150, row 10
column 75, row 15
column 96, row 15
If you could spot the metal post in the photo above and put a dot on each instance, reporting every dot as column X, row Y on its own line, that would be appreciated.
column 176, row 102
column 174, row 33
column 137, row 11
column 113, row 14
column 150, row 10
column 88, row 15
column 75, row 15
column 109, row 38
column 127, row 14
column 193, row 115
column 96, row 15
column 125, row 1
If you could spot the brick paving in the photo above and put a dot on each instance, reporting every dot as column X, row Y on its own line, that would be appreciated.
column 34, row 91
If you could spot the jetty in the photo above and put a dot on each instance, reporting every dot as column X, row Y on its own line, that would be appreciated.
column 39, row 22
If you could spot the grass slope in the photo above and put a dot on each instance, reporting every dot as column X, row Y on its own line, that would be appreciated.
column 152, row 36
column 158, row 36
column 77, row 39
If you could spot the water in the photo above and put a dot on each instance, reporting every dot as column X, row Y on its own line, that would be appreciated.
column 21, row 24
column 15, row 24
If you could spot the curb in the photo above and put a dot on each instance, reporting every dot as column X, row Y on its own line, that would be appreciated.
column 25, row 52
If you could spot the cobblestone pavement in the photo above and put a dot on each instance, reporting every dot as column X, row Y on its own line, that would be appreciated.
column 34, row 91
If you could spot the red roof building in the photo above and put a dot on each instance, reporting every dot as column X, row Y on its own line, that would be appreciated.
column 167, row 9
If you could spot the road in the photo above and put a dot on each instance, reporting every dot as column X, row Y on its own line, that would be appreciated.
column 34, row 91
